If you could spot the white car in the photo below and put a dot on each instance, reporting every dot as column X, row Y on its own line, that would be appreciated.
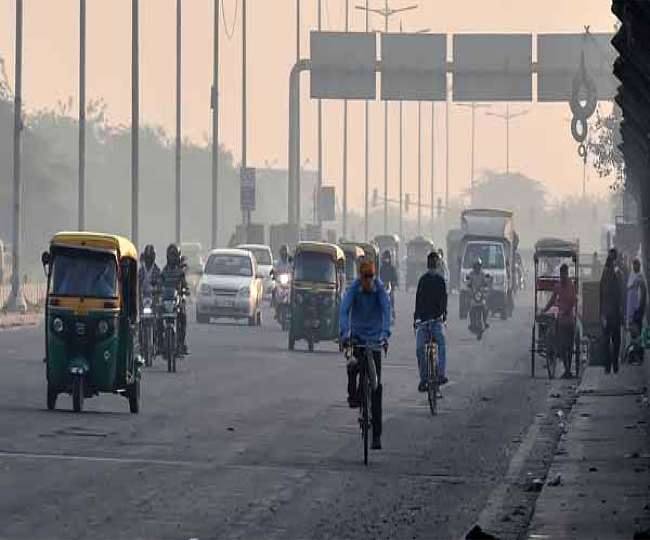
column 230, row 287
column 264, row 258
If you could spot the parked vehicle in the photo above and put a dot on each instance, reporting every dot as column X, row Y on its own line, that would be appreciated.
column 91, row 318
column 417, row 251
column 264, row 259
column 489, row 235
column 316, row 293
column 230, row 287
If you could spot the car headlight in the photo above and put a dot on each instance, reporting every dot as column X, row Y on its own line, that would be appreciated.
column 205, row 288
column 284, row 279
column 147, row 311
column 57, row 325
column 102, row 328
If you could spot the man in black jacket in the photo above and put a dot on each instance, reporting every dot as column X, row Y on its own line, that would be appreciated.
column 429, row 317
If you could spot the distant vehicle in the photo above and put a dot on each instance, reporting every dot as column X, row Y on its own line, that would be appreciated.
column 417, row 251
column 390, row 242
column 264, row 258
column 490, row 235
column 193, row 253
column 230, row 287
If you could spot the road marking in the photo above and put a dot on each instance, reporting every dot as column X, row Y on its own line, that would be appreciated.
column 98, row 459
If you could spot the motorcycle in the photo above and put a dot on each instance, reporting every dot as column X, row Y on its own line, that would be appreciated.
column 283, row 300
column 171, row 305
column 148, row 330
column 478, row 309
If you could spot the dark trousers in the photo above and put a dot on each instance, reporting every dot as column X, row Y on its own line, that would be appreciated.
column 566, row 344
column 353, row 387
column 611, row 344
column 182, row 325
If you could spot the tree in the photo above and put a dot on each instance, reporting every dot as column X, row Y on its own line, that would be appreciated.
column 603, row 142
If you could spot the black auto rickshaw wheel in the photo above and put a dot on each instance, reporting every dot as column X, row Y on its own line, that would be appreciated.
column 135, row 396
column 78, row 393
column 51, row 398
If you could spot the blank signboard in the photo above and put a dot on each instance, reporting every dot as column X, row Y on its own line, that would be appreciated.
column 343, row 65
column 413, row 67
column 558, row 62
column 493, row 67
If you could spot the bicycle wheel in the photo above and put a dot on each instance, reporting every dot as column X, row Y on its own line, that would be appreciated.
column 365, row 412
column 432, row 387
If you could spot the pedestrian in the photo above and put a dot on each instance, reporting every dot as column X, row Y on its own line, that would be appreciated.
column 636, row 300
column 611, row 311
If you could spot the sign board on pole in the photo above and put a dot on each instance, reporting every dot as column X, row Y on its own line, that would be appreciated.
column 558, row 61
column 343, row 65
column 247, row 193
column 414, row 67
column 327, row 203
column 493, row 67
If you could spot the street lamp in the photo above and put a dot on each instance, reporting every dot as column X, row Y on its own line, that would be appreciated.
column 473, row 106
column 507, row 116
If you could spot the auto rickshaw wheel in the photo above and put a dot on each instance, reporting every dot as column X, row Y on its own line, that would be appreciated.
column 78, row 393
column 135, row 396
column 51, row 398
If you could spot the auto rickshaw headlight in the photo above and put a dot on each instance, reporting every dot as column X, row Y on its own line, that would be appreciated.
column 103, row 327
column 57, row 325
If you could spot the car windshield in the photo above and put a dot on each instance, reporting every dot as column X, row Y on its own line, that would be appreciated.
column 490, row 254
column 229, row 265
column 84, row 273
column 315, row 267
column 262, row 256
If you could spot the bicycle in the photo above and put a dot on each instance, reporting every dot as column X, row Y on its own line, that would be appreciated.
column 368, row 383
column 431, row 355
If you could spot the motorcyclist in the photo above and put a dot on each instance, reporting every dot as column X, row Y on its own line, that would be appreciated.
column 388, row 276
column 282, row 266
column 476, row 281
column 365, row 319
column 149, row 273
column 173, row 277
column 431, row 309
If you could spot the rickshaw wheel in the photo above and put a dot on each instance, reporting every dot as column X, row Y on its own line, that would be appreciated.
column 135, row 397
column 78, row 393
column 51, row 398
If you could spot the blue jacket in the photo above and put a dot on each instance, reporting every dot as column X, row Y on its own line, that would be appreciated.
column 365, row 315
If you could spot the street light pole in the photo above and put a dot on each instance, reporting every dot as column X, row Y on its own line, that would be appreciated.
column 244, row 163
column 433, row 163
column 345, row 141
column 16, row 301
column 472, row 179
column 215, row 127
column 419, row 167
column 135, row 119
column 366, row 157
column 507, row 117
column 178, row 120
column 317, row 213
column 82, row 116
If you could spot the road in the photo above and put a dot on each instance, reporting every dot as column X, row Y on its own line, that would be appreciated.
column 249, row 440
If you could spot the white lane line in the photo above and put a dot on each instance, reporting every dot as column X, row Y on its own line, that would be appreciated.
column 97, row 459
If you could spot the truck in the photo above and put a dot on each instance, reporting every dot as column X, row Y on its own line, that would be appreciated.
column 490, row 235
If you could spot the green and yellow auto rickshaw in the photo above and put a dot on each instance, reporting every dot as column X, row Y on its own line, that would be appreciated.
column 353, row 255
column 417, row 251
column 318, row 279
column 91, row 318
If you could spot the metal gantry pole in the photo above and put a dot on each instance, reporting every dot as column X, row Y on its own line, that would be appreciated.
column 16, row 301
column 401, row 169
column 507, row 138
column 82, row 116
column 177, row 169
column 366, row 157
column 317, row 213
column 215, row 128
column 447, row 152
column 135, row 119
column 244, row 117
column 297, row 187
column 419, row 167
column 433, row 163
column 386, row 17
column 344, row 229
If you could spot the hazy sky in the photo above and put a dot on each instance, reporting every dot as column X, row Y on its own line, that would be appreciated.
column 541, row 144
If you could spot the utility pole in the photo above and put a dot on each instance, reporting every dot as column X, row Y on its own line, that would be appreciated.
column 317, row 214
column 447, row 150
column 81, row 215
column 179, row 14
column 401, row 169
column 472, row 178
column 366, row 156
column 298, row 179
column 387, row 12
column 215, row 128
column 419, row 167
column 16, row 301
column 345, row 141
column 245, row 213
column 135, row 119
column 507, row 117
column 433, row 163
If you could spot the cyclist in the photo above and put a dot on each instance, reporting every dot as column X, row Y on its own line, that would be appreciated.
column 431, row 308
column 365, row 319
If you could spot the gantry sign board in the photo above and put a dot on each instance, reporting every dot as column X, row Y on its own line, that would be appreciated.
column 493, row 67
column 343, row 65
column 558, row 62
column 414, row 67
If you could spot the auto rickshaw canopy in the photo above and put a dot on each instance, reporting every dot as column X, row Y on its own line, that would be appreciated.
column 556, row 247
column 332, row 250
column 122, row 246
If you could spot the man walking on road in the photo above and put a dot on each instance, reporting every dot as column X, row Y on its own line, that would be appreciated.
column 611, row 311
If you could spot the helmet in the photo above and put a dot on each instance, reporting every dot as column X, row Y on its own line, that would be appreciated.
column 173, row 254
column 149, row 255
column 478, row 263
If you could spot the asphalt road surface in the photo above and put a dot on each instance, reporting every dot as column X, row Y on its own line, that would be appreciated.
column 249, row 440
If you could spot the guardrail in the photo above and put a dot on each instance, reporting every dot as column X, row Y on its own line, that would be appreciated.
column 34, row 293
